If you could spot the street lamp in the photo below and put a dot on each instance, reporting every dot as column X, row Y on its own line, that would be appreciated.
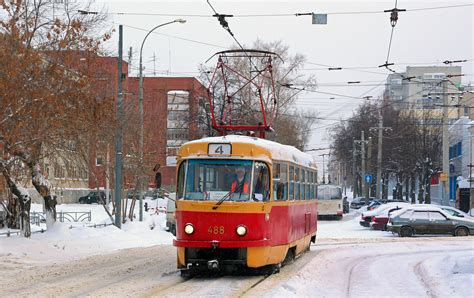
column 140, row 105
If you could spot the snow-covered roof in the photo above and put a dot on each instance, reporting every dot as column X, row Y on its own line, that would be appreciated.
column 277, row 150
column 385, row 207
column 424, row 207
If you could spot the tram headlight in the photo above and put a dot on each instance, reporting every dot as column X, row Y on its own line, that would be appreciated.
column 241, row 230
column 189, row 229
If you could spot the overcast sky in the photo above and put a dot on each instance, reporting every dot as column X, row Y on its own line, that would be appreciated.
column 350, row 40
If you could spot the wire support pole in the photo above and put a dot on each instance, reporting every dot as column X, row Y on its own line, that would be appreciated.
column 119, row 138
column 445, row 143
column 380, row 129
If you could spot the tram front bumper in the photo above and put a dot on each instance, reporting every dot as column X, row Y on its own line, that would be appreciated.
column 220, row 244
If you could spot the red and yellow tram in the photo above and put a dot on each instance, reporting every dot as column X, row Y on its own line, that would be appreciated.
column 243, row 202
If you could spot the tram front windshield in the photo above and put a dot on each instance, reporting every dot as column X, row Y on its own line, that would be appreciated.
column 213, row 180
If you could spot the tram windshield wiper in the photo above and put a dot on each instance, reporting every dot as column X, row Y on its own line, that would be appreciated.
column 238, row 189
column 225, row 197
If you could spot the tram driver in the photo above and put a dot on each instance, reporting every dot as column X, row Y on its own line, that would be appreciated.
column 240, row 185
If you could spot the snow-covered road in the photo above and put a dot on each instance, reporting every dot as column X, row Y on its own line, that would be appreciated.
column 417, row 267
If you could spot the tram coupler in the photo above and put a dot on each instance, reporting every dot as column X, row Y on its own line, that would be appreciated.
column 213, row 265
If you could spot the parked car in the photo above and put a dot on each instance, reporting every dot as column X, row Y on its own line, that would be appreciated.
column 95, row 196
column 375, row 203
column 152, row 194
column 428, row 220
column 132, row 193
column 455, row 212
column 170, row 214
column 359, row 202
column 367, row 217
column 379, row 221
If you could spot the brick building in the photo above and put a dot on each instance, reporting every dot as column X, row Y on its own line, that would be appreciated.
column 170, row 106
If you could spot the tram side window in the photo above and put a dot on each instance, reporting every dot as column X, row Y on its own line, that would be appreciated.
column 181, row 172
column 292, row 183
column 303, row 184
column 283, row 187
column 297, row 183
column 316, row 185
column 276, row 180
column 308, row 185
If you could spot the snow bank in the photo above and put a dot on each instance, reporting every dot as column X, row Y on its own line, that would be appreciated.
column 67, row 241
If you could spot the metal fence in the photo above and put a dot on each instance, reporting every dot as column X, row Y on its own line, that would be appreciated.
column 39, row 217
column 9, row 233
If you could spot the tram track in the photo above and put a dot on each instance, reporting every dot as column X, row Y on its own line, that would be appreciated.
column 151, row 272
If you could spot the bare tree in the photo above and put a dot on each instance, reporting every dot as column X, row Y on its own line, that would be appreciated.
column 45, row 93
column 411, row 152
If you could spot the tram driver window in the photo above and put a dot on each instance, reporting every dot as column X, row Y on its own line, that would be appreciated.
column 261, row 182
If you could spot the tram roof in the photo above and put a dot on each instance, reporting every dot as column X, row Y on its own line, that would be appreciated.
column 277, row 150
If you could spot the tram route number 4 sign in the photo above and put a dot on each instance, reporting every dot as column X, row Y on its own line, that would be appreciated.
column 219, row 149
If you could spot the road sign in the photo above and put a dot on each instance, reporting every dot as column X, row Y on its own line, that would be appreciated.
column 320, row 19
column 368, row 178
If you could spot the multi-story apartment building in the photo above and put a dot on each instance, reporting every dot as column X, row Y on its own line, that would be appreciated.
column 421, row 87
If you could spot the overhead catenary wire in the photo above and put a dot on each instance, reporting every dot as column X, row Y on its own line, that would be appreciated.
column 272, row 15
column 180, row 38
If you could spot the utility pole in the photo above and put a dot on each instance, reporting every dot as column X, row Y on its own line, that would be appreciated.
column 118, row 138
column 325, row 154
column 380, row 129
column 445, row 143
column 362, row 152
column 354, row 156
column 362, row 142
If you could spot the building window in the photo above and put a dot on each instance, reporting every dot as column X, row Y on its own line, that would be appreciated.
column 99, row 161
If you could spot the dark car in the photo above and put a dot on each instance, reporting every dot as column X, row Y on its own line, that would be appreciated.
column 359, row 202
column 428, row 220
column 133, row 194
column 95, row 196
column 152, row 194
column 374, row 204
